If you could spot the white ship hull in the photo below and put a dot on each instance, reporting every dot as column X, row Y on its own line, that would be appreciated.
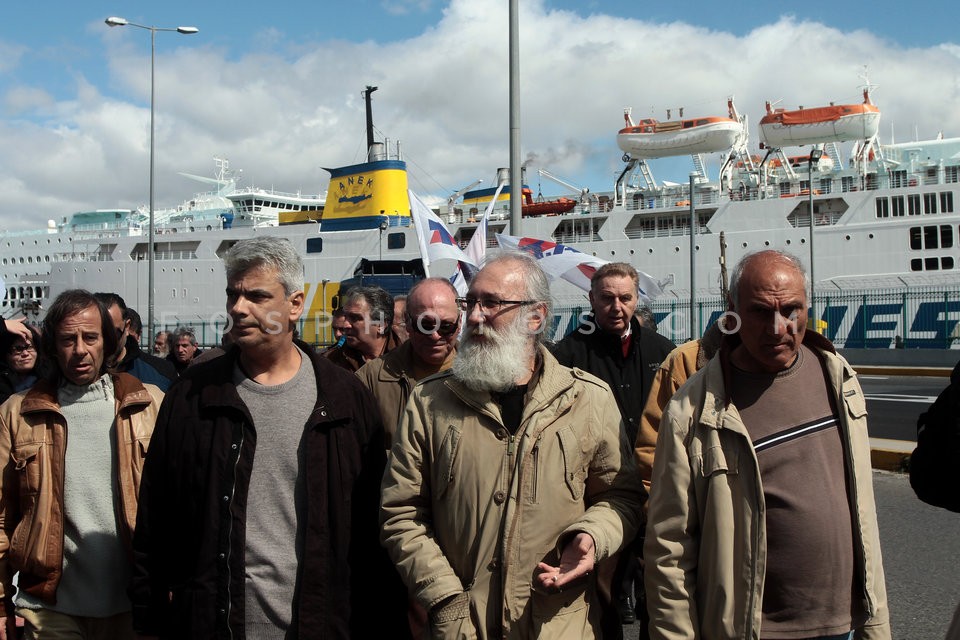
column 895, row 226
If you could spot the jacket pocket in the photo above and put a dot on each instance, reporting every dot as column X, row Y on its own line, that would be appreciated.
column 855, row 403
column 549, row 609
column 574, row 468
column 28, row 460
column 446, row 459
column 453, row 620
column 715, row 460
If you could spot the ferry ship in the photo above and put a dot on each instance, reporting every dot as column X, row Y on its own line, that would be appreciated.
column 884, row 216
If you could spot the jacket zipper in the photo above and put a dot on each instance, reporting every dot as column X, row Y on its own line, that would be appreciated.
column 227, row 560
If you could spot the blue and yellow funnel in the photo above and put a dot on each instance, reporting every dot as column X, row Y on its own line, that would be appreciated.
column 362, row 195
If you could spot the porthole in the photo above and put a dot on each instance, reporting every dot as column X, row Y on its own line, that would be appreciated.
column 847, row 237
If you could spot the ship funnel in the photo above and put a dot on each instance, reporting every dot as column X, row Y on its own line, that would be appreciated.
column 377, row 151
column 503, row 176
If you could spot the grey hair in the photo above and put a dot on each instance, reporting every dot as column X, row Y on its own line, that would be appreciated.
column 183, row 332
column 782, row 256
column 536, row 281
column 263, row 251
column 379, row 300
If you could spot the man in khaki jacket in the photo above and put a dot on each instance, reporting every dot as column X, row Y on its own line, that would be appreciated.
column 432, row 320
column 761, row 521
column 508, row 477
column 68, row 504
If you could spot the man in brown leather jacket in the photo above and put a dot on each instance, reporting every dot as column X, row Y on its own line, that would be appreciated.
column 67, row 512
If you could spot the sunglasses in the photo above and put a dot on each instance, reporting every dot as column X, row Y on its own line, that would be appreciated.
column 428, row 326
column 27, row 348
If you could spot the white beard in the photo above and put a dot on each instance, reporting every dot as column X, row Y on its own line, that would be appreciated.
column 497, row 363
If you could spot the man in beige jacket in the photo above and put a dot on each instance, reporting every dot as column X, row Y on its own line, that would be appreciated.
column 508, row 477
column 761, row 521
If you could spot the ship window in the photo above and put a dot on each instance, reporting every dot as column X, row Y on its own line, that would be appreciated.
column 883, row 208
column 946, row 201
column 259, row 203
column 396, row 240
column 931, row 264
column 898, row 179
column 946, row 262
column 916, row 264
column 946, row 236
column 826, row 185
column 784, row 188
column 916, row 240
column 897, row 202
column 846, row 184
column 951, row 174
column 930, row 238
column 314, row 245
column 929, row 203
column 913, row 201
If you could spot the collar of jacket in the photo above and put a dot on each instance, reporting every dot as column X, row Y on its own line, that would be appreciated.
column 215, row 378
column 128, row 393
column 399, row 363
column 550, row 381
column 611, row 342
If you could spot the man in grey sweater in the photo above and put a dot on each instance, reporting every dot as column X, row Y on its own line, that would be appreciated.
column 67, row 512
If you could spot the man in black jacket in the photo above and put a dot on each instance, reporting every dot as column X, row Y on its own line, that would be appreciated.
column 612, row 345
column 130, row 358
column 260, row 494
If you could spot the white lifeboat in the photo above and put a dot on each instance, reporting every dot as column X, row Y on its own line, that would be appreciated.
column 651, row 138
column 834, row 123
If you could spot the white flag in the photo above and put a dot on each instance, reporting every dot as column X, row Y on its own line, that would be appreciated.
column 576, row 267
column 436, row 243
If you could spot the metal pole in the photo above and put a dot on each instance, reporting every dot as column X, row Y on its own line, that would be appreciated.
column 516, row 177
column 813, row 279
column 693, row 262
column 150, row 293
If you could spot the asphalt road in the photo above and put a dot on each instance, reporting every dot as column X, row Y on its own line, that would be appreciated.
column 921, row 558
column 895, row 402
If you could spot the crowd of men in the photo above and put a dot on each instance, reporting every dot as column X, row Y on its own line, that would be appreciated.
column 444, row 470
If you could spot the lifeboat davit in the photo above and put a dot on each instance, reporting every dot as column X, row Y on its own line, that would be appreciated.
column 651, row 138
column 835, row 123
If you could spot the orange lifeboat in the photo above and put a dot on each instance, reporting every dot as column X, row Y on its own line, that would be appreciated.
column 833, row 123
column 651, row 138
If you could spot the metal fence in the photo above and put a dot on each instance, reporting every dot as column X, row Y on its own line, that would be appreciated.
column 914, row 318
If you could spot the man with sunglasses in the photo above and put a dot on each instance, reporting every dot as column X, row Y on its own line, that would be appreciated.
column 433, row 323
column 507, row 480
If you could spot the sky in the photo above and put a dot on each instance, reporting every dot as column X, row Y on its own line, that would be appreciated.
column 276, row 87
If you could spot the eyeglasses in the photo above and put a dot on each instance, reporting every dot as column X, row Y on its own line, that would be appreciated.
column 488, row 304
column 27, row 348
column 427, row 326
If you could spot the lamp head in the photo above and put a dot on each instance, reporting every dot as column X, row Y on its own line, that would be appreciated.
column 187, row 30
column 114, row 21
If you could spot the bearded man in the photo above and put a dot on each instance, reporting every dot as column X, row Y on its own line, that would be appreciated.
column 507, row 480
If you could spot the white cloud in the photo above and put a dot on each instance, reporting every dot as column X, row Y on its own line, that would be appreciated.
column 281, row 115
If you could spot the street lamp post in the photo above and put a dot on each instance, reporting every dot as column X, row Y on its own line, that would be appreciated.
column 815, row 155
column 114, row 21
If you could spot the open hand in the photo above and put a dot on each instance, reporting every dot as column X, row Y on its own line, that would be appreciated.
column 576, row 561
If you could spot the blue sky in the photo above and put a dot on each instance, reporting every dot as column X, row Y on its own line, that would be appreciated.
column 275, row 87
